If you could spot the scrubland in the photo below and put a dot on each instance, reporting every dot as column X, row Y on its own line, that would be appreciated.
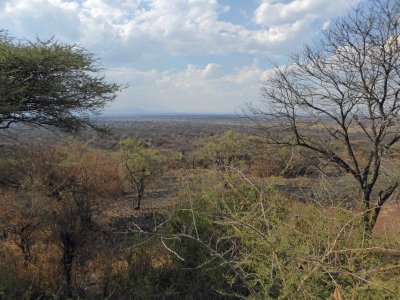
column 225, row 214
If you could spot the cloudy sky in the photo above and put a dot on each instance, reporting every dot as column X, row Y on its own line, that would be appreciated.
column 178, row 56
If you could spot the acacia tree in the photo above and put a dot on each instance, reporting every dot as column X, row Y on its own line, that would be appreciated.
column 341, row 91
column 141, row 165
column 50, row 84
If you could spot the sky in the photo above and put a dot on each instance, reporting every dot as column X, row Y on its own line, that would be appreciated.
column 178, row 56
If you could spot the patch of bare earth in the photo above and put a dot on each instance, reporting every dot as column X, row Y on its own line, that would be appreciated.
column 388, row 223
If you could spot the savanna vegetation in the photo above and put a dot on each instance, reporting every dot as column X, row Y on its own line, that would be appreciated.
column 299, row 205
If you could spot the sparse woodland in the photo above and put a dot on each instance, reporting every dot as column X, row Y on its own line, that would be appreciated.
column 297, row 201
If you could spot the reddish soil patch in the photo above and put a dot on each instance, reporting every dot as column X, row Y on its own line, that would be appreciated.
column 388, row 223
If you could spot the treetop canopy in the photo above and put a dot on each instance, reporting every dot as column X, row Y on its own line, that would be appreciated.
column 50, row 84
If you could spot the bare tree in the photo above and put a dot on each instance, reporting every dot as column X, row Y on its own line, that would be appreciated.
column 61, row 190
column 20, row 218
column 85, row 182
column 339, row 97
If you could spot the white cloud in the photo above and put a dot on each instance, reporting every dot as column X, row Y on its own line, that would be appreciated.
column 192, row 89
column 276, row 13
column 138, row 34
column 38, row 16
column 181, row 26
column 297, row 16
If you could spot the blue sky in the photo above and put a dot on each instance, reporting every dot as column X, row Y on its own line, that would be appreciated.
column 178, row 56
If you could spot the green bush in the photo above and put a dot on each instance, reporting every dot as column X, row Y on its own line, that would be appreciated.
column 273, row 247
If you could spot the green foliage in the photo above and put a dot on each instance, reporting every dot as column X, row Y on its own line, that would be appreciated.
column 50, row 84
column 227, row 150
column 11, row 286
column 272, row 247
column 140, row 159
column 154, row 274
column 141, row 165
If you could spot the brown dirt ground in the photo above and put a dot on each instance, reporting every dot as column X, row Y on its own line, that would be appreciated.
column 388, row 223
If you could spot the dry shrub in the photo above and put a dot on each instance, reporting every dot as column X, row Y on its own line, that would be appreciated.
column 62, row 190
column 284, row 161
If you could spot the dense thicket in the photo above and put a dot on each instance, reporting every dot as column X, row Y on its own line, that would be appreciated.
column 67, row 228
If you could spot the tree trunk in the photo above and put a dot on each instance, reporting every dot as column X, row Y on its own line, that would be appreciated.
column 367, row 212
column 383, row 197
column 67, row 266
column 26, row 250
column 25, row 243
column 140, row 192
column 375, row 215
column 69, row 248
